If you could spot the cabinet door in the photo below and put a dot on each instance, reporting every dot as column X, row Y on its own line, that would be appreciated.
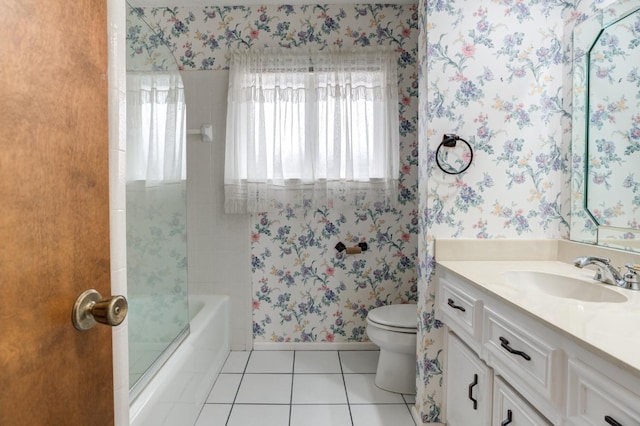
column 596, row 400
column 509, row 408
column 469, row 386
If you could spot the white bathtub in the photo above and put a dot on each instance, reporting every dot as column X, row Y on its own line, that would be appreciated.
column 174, row 397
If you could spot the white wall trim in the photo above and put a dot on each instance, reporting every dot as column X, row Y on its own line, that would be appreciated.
column 317, row 346
column 116, row 30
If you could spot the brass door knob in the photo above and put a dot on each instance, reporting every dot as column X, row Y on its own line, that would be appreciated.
column 90, row 308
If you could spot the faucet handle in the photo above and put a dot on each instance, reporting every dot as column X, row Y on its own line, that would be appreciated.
column 583, row 261
column 631, row 276
column 599, row 275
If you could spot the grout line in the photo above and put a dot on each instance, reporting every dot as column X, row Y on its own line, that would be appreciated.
column 246, row 364
column 260, row 403
column 212, row 385
column 293, row 369
column 410, row 413
column 375, row 403
column 238, row 390
column 201, row 410
column 320, row 404
column 345, row 387
column 404, row 398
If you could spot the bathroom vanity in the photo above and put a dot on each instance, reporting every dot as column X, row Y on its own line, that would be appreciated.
column 533, row 340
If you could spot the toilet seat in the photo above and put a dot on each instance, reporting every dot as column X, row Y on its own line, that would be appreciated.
column 397, row 318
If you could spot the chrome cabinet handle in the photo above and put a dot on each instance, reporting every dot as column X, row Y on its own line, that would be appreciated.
column 610, row 420
column 475, row 382
column 508, row 420
column 505, row 345
column 91, row 308
column 452, row 303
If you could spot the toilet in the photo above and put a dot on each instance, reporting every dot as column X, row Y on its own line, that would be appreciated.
column 393, row 329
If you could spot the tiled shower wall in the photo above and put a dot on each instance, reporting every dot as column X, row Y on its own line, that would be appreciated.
column 218, row 244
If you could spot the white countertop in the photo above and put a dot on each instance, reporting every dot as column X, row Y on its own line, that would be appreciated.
column 611, row 328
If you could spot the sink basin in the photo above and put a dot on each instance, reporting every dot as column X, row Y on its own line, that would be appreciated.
column 563, row 286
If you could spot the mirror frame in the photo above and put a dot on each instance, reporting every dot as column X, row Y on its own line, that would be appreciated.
column 584, row 227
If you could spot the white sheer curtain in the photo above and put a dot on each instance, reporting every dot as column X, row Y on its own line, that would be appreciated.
column 156, row 133
column 311, row 128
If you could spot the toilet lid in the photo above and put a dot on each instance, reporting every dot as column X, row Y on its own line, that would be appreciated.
column 398, row 316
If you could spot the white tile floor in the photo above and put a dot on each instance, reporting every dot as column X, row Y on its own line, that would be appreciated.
column 303, row 388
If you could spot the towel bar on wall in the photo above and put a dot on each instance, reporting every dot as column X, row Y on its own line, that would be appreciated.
column 206, row 130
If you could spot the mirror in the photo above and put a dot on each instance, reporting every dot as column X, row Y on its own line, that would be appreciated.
column 606, row 128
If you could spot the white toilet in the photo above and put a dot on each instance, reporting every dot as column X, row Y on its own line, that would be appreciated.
column 393, row 329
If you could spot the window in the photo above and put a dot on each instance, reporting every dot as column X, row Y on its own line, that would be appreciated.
column 312, row 128
column 156, row 134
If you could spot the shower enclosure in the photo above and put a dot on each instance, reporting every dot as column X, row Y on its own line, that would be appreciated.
column 156, row 203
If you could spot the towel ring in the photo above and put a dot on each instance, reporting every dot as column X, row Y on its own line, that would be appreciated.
column 449, row 140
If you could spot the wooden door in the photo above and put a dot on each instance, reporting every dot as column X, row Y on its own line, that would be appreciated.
column 54, row 214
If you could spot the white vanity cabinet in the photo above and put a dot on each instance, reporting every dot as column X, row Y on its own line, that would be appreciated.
column 528, row 372
column 469, row 386
column 475, row 394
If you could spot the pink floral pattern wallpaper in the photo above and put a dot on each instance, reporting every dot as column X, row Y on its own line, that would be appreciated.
column 498, row 73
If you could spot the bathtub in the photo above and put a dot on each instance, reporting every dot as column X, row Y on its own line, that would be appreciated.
column 175, row 395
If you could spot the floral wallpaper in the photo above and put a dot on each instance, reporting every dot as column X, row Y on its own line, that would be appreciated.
column 493, row 73
column 429, row 351
column 146, row 50
column 498, row 74
column 303, row 289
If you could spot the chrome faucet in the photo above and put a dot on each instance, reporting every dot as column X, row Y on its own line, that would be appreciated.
column 607, row 274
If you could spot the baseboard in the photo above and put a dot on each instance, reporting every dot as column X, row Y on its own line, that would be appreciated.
column 418, row 420
column 314, row 346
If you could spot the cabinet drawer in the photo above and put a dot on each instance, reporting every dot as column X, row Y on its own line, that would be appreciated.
column 461, row 310
column 594, row 399
column 509, row 408
column 532, row 366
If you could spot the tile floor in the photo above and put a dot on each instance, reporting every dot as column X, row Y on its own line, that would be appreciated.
column 303, row 388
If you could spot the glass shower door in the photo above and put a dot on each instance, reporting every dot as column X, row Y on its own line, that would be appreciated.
column 156, row 203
